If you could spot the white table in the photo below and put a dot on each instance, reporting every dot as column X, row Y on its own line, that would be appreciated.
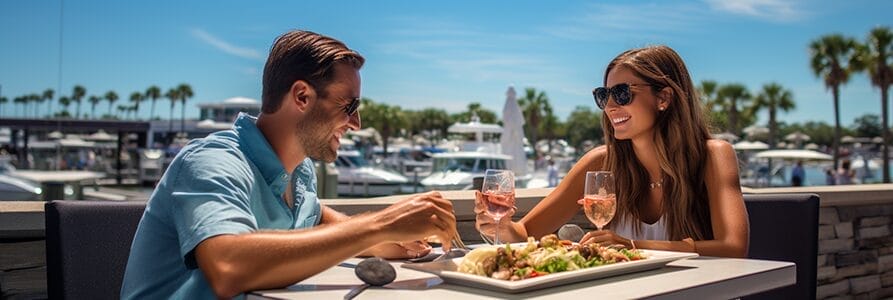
column 698, row 278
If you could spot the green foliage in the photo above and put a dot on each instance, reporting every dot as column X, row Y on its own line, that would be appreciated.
column 867, row 125
column 584, row 124
column 485, row 115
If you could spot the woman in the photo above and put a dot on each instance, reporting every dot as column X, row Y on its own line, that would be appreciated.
column 677, row 188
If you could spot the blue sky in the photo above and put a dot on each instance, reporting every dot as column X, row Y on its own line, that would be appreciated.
column 442, row 54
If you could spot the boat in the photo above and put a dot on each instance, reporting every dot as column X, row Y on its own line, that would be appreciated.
column 478, row 152
column 356, row 177
column 457, row 170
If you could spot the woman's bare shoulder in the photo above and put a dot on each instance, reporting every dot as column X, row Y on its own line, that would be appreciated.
column 720, row 153
column 596, row 156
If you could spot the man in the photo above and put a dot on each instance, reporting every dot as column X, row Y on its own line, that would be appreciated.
column 238, row 211
column 798, row 174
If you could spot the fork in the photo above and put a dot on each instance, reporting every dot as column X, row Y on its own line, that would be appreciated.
column 459, row 248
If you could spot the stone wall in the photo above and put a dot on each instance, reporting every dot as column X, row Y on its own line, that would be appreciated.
column 855, row 252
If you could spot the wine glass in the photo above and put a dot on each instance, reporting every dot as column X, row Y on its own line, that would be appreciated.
column 599, row 198
column 499, row 195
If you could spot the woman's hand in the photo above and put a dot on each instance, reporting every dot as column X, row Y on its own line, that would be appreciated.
column 606, row 238
column 484, row 223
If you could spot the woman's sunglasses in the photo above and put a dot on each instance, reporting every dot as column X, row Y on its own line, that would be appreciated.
column 621, row 93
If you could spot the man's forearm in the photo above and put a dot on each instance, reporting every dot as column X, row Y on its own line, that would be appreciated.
column 235, row 264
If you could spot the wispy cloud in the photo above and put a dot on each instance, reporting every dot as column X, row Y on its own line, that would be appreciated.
column 225, row 46
column 469, row 54
column 646, row 21
column 773, row 10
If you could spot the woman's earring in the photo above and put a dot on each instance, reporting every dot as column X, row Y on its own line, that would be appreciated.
column 661, row 108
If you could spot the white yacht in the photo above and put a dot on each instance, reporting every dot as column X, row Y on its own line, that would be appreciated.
column 356, row 177
column 457, row 170
column 479, row 151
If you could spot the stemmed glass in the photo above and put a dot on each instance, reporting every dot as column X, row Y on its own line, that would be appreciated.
column 599, row 198
column 499, row 195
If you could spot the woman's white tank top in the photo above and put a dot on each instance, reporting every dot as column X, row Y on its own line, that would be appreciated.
column 656, row 231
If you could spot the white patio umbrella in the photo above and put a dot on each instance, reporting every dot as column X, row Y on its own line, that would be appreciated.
column 797, row 137
column 512, row 141
column 754, row 130
column 748, row 145
column 794, row 155
column 100, row 136
column 811, row 146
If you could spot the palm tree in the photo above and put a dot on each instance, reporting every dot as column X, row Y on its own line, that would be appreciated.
column 65, row 102
column 94, row 100
column 152, row 93
column 185, row 92
column 48, row 96
column 876, row 57
column 38, row 100
column 173, row 95
column 77, row 94
column 729, row 96
column 136, row 98
column 772, row 98
column 20, row 100
column 111, row 97
column 829, row 57
column 122, row 109
column 533, row 104
column 3, row 101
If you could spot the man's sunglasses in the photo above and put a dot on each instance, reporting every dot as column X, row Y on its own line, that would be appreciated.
column 621, row 93
column 352, row 107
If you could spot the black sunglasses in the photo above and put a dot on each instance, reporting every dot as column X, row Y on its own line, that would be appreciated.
column 621, row 93
column 352, row 107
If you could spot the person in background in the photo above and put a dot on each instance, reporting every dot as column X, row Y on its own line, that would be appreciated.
column 677, row 189
column 798, row 174
column 830, row 179
column 553, row 173
column 845, row 174
column 237, row 210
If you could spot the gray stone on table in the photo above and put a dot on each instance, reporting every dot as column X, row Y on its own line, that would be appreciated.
column 835, row 245
column 844, row 230
column 874, row 232
column 828, row 215
column 826, row 232
column 865, row 284
column 826, row 272
column 856, row 258
column 832, row 289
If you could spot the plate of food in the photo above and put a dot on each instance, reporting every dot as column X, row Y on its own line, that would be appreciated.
column 515, row 268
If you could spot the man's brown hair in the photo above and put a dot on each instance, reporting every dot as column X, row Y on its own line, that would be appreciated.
column 303, row 55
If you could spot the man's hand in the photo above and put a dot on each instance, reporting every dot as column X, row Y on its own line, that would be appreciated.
column 484, row 223
column 417, row 217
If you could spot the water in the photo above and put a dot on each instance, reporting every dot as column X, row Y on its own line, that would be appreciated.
column 815, row 175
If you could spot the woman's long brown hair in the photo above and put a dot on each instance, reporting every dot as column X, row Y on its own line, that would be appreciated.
column 680, row 136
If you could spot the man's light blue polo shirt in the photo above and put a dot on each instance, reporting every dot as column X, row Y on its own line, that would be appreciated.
column 229, row 182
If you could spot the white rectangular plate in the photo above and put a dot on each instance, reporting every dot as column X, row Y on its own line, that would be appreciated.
column 447, row 271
